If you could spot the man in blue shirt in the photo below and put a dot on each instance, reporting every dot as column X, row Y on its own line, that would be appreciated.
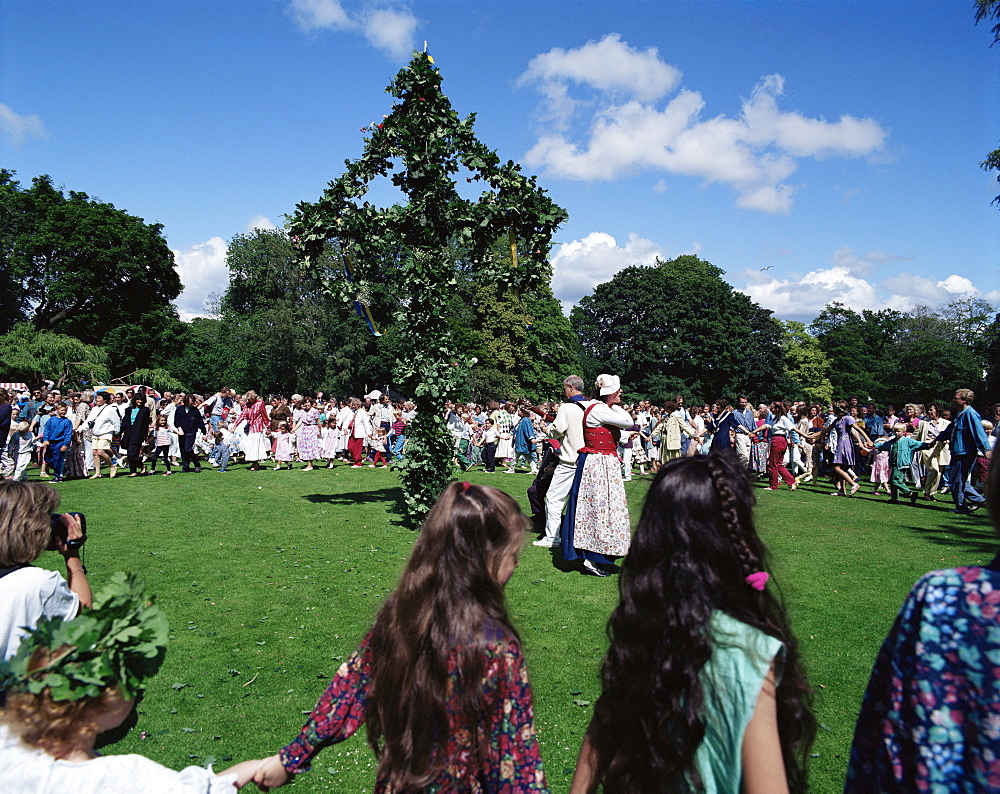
column 968, row 441
column 745, row 425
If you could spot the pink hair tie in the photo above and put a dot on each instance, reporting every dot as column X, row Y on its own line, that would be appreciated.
column 758, row 579
column 465, row 486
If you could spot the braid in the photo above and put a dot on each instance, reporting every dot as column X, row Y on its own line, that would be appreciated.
column 729, row 514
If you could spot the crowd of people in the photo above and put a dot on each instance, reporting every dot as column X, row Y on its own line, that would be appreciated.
column 703, row 686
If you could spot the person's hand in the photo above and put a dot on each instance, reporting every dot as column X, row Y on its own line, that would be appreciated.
column 270, row 774
column 74, row 531
column 244, row 771
column 63, row 448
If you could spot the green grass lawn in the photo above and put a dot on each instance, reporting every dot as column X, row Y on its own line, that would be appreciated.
column 269, row 579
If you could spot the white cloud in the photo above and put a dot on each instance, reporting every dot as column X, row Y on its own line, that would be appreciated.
column 631, row 126
column 581, row 265
column 609, row 66
column 313, row 15
column 259, row 222
column 391, row 31
column 19, row 128
column 848, row 280
column 388, row 29
column 202, row 268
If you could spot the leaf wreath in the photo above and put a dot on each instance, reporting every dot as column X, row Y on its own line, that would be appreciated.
column 121, row 642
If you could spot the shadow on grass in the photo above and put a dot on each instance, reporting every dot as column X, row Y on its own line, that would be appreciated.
column 974, row 535
column 575, row 566
column 391, row 496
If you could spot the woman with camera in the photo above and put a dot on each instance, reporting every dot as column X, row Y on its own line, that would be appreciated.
column 27, row 528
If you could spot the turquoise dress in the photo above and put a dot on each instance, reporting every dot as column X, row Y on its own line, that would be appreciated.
column 731, row 680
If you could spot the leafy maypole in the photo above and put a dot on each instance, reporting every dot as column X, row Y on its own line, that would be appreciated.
column 407, row 251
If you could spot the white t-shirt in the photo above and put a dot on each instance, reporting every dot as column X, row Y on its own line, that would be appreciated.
column 32, row 771
column 26, row 596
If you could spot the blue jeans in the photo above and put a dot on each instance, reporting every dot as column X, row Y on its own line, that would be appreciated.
column 961, row 486
column 397, row 447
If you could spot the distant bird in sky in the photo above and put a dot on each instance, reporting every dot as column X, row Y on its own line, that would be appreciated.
column 766, row 268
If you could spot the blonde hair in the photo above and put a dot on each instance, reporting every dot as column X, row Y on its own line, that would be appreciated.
column 25, row 520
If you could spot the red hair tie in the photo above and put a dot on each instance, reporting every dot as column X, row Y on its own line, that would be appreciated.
column 465, row 486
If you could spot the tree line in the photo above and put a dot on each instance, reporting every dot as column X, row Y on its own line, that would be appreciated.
column 86, row 293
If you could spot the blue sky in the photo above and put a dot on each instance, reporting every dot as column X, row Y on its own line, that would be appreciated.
column 814, row 151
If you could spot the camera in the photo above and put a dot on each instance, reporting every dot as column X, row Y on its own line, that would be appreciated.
column 60, row 533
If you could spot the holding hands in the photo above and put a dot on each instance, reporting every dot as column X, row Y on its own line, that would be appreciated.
column 266, row 773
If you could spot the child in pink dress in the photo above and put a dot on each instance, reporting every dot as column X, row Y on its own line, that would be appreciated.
column 284, row 446
column 880, row 467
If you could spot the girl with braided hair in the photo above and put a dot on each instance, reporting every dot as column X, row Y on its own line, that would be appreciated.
column 703, row 689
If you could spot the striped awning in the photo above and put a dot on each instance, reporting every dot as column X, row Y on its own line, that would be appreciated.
column 13, row 386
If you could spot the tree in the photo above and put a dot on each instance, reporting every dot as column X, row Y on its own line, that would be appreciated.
column 807, row 364
column 200, row 356
column 32, row 356
column 147, row 341
column 427, row 148
column 78, row 265
column 859, row 348
column 990, row 9
column 282, row 332
column 678, row 327
column 992, row 367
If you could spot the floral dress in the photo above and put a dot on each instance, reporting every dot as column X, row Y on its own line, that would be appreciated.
column 514, row 763
column 308, row 435
column 930, row 720
column 75, row 466
column 596, row 525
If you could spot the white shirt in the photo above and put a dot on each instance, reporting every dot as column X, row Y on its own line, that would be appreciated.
column 26, row 596
column 32, row 771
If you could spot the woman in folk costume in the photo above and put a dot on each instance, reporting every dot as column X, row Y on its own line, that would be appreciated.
column 596, row 526
column 255, row 445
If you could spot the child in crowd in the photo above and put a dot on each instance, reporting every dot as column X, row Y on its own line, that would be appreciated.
column 397, row 435
column 221, row 451
column 703, row 686
column 901, row 448
column 20, row 446
column 488, row 441
column 161, row 441
column 284, row 446
column 880, row 466
column 329, row 440
column 440, row 678
column 379, row 445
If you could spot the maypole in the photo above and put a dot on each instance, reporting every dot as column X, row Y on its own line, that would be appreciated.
column 421, row 146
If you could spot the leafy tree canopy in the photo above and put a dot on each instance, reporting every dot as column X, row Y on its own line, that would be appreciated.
column 77, row 265
column 678, row 327
column 32, row 356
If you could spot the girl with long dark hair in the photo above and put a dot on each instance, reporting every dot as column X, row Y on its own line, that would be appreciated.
column 439, row 679
column 702, row 685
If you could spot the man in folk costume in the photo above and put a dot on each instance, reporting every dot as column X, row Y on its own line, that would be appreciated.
column 568, row 430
